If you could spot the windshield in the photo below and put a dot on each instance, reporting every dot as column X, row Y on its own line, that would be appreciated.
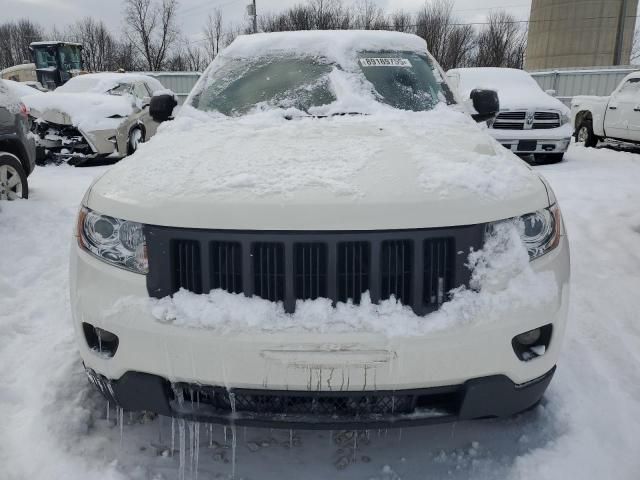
column 45, row 57
column 70, row 58
column 403, row 80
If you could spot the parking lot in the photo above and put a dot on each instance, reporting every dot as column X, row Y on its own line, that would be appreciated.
column 587, row 427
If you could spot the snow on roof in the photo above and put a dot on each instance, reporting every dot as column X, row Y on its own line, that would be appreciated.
column 53, row 42
column 103, row 82
column 329, row 43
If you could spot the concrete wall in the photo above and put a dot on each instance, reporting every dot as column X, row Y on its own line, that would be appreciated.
column 577, row 33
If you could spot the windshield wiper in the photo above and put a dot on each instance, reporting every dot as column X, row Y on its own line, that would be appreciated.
column 337, row 114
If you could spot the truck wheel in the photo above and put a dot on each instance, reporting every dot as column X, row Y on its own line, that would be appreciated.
column 13, row 179
column 584, row 134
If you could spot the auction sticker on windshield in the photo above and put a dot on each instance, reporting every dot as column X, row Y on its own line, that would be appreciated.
column 385, row 62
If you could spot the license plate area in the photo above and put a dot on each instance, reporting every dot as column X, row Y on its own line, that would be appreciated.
column 527, row 145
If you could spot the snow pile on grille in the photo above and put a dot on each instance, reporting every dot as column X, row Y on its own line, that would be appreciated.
column 502, row 281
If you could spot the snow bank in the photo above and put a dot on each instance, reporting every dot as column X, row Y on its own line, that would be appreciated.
column 502, row 280
column 516, row 88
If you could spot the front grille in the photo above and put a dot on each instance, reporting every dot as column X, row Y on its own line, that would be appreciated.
column 439, row 261
column 187, row 272
column 268, row 268
column 353, row 271
column 396, row 266
column 508, row 125
column 226, row 266
column 310, row 271
column 416, row 267
column 523, row 120
column 320, row 403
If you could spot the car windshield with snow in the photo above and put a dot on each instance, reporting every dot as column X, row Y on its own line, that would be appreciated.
column 323, row 237
column 404, row 80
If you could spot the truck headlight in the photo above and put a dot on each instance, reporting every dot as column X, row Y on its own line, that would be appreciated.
column 565, row 118
column 539, row 231
column 120, row 243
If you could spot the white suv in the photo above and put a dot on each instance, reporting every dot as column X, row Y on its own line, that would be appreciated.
column 322, row 238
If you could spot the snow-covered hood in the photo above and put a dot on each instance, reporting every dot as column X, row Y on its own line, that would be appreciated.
column 264, row 172
column 88, row 111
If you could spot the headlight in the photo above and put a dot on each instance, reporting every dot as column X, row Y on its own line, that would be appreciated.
column 118, row 242
column 539, row 231
column 565, row 118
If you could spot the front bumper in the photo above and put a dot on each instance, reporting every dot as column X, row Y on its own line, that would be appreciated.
column 70, row 142
column 318, row 363
column 488, row 397
column 528, row 142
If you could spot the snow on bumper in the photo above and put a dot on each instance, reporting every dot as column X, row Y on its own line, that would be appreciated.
column 307, row 361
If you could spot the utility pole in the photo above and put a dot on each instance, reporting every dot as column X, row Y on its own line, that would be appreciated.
column 622, row 20
column 252, row 12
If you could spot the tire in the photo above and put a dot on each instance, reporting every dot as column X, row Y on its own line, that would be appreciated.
column 549, row 158
column 584, row 134
column 13, row 179
column 136, row 137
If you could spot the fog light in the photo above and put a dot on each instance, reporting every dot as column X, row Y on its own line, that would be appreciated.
column 100, row 341
column 530, row 337
column 533, row 343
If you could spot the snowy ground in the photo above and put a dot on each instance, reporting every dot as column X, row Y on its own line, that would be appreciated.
column 53, row 424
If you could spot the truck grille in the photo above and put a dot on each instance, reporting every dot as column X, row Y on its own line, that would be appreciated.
column 524, row 120
column 416, row 267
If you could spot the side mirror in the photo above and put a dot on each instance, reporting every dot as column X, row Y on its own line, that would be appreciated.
column 161, row 107
column 146, row 101
column 486, row 103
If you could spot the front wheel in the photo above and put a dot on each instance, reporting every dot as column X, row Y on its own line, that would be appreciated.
column 585, row 135
column 13, row 179
column 136, row 137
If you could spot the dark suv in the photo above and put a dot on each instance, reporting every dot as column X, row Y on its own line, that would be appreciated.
column 17, row 148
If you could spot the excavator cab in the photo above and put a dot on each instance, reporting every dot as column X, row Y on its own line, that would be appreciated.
column 56, row 62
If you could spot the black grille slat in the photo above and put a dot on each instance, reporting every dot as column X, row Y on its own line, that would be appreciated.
column 545, row 126
column 226, row 266
column 511, row 115
column 187, row 271
column 396, row 270
column 508, row 126
column 268, row 267
column 546, row 116
column 439, row 258
column 353, row 270
column 310, row 271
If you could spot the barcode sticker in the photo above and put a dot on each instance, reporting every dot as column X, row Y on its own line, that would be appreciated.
column 385, row 62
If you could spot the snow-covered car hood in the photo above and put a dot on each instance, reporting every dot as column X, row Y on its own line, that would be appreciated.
column 262, row 172
column 88, row 111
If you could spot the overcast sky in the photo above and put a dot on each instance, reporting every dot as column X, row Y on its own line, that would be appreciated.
column 192, row 13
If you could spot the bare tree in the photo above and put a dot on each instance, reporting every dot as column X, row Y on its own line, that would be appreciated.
column 402, row 21
column 449, row 41
column 368, row 15
column 213, row 34
column 502, row 42
column 15, row 38
column 98, row 44
column 151, row 28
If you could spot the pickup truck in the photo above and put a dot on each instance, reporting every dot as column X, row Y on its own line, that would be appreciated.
column 615, row 117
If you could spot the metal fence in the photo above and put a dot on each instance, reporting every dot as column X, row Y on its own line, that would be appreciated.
column 180, row 83
column 568, row 83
